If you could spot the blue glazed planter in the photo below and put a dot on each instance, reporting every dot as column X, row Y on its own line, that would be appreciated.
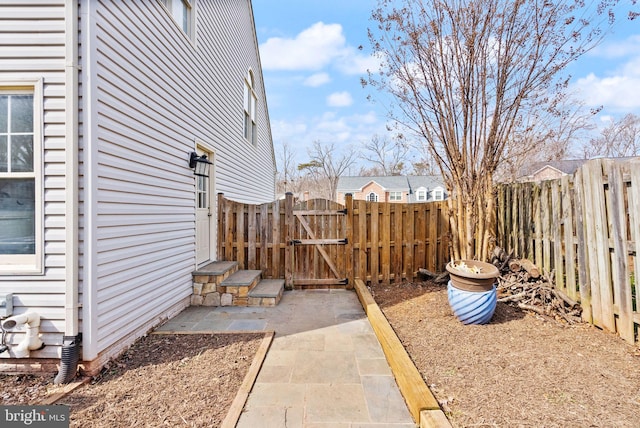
column 472, row 307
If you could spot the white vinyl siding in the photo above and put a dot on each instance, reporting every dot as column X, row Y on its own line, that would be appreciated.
column 147, row 93
column 32, row 54
column 155, row 93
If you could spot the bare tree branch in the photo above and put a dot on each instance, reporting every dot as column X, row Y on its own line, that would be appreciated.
column 388, row 157
column 326, row 165
column 620, row 138
column 465, row 74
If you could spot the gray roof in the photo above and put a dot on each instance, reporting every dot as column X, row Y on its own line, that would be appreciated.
column 409, row 184
column 396, row 183
column 429, row 182
column 566, row 166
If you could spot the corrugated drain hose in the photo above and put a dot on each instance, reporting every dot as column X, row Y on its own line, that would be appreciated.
column 3, row 346
column 68, row 360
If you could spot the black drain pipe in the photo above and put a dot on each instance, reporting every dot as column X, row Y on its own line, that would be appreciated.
column 69, row 359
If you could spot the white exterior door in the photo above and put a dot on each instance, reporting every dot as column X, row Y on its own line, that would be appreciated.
column 205, row 215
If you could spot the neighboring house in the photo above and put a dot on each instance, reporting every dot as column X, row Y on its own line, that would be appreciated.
column 551, row 170
column 396, row 189
column 102, row 220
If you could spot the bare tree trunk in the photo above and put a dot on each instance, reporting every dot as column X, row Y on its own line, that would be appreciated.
column 489, row 221
column 469, row 229
column 454, row 208
column 467, row 77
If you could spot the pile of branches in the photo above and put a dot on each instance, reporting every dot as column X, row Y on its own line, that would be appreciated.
column 521, row 284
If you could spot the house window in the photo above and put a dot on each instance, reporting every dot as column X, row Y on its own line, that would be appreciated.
column 20, row 183
column 395, row 196
column 372, row 197
column 182, row 13
column 250, row 101
column 421, row 195
column 438, row 194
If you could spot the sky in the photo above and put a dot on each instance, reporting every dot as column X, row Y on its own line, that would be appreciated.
column 312, row 68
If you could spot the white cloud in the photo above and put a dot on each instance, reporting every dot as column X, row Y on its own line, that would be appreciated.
column 354, row 63
column 319, row 46
column 283, row 130
column 340, row 99
column 617, row 88
column 619, row 48
column 312, row 49
column 329, row 127
column 606, row 119
column 613, row 92
column 317, row 79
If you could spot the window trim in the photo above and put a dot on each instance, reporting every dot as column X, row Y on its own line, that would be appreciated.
column 27, row 264
column 190, row 18
column 421, row 192
column 395, row 196
column 370, row 199
column 249, row 108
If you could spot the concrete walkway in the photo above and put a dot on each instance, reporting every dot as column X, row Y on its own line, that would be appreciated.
column 325, row 367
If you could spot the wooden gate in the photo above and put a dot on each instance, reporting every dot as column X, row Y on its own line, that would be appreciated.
column 323, row 244
column 320, row 244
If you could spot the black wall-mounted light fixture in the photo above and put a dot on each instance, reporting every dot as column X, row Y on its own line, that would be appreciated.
column 199, row 164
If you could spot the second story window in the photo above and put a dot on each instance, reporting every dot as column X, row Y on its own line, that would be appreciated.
column 395, row 196
column 438, row 194
column 372, row 197
column 421, row 195
column 182, row 13
column 250, row 101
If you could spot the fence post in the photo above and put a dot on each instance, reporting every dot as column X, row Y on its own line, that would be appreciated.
column 289, row 248
column 582, row 237
column 220, row 226
column 349, row 246
column 276, row 236
column 620, row 268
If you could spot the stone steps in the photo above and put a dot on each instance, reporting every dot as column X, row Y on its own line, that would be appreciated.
column 268, row 292
column 238, row 286
column 222, row 284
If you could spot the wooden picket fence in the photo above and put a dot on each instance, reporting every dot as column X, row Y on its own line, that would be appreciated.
column 322, row 243
column 582, row 229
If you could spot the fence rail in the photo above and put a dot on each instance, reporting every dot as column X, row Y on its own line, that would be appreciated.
column 383, row 242
column 583, row 229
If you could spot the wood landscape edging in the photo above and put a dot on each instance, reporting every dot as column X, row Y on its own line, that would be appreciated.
column 422, row 405
column 238, row 403
column 235, row 410
column 64, row 391
column 233, row 415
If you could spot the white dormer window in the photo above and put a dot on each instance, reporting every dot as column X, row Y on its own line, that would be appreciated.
column 250, row 101
column 372, row 197
column 182, row 13
column 421, row 195
column 438, row 194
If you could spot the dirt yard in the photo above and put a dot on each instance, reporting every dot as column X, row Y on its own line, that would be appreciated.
column 520, row 370
column 162, row 380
